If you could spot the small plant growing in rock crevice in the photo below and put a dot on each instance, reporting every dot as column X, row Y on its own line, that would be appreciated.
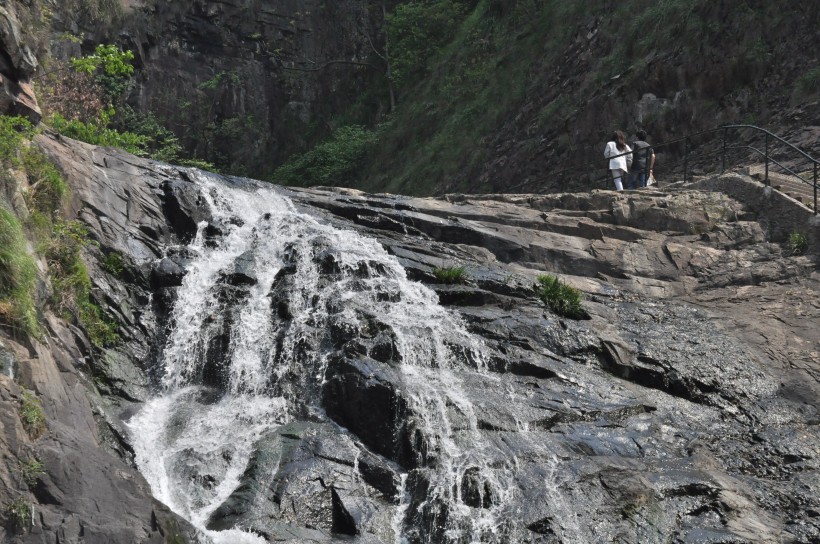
column 451, row 274
column 560, row 297
column 31, row 471
column 18, row 512
column 32, row 415
column 797, row 243
column 113, row 264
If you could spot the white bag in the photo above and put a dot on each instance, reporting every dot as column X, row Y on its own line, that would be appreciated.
column 651, row 180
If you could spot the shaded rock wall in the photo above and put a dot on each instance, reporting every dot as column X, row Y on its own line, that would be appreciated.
column 17, row 64
column 247, row 84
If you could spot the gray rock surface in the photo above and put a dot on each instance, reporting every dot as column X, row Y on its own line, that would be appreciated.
column 685, row 409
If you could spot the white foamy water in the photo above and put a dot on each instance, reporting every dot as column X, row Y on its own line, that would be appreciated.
column 193, row 444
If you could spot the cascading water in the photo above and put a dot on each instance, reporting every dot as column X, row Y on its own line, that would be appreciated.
column 195, row 439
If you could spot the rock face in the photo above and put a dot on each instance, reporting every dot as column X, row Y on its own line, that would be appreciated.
column 683, row 409
column 17, row 66
column 263, row 72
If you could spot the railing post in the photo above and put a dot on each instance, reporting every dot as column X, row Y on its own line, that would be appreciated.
column 766, row 153
column 723, row 156
column 815, row 187
column 685, row 156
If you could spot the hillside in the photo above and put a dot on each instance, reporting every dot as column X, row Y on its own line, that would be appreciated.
column 441, row 95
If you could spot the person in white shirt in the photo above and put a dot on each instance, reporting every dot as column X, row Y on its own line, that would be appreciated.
column 620, row 157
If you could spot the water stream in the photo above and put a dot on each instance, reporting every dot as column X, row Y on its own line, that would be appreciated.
column 194, row 440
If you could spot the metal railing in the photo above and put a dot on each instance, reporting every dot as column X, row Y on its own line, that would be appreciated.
column 792, row 155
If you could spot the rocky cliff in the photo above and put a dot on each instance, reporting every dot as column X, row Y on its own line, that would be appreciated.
column 683, row 408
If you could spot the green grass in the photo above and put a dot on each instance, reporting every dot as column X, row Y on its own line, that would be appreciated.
column 18, row 277
column 46, row 185
column 31, row 471
column 451, row 274
column 18, row 513
column 560, row 297
column 113, row 264
column 13, row 132
column 72, row 284
column 333, row 162
column 797, row 243
column 32, row 415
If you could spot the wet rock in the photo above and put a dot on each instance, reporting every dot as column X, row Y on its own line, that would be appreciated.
column 304, row 474
column 167, row 273
column 244, row 270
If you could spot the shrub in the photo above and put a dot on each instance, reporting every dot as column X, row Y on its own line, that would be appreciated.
column 113, row 264
column 18, row 276
column 13, row 131
column 451, row 274
column 18, row 514
column 31, row 470
column 417, row 31
column 809, row 81
column 798, row 243
column 560, row 297
column 31, row 414
column 97, row 132
column 72, row 284
column 46, row 186
column 334, row 161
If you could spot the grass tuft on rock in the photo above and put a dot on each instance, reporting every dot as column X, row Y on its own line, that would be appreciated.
column 31, row 471
column 32, row 415
column 451, row 274
column 18, row 277
column 560, row 297
column 18, row 513
column 798, row 243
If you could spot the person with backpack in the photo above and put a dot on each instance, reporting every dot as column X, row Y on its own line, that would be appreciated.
column 620, row 157
column 643, row 162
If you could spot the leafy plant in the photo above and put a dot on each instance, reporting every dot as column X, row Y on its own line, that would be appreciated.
column 417, row 30
column 46, row 185
column 451, row 274
column 113, row 264
column 334, row 161
column 797, row 243
column 72, row 284
column 18, row 276
column 13, row 131
column 560, row 297
column 31, row 414
column 98, row 132
column 18, row 513
column 31, row 470
column 809, row 81
column 108, row 58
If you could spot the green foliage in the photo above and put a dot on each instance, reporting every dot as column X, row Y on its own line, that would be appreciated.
column 113, row 264
column 97, row 132
column 72, row 284
column 46, row 185
column 451, row 274
column 13, row 132
column 560, row 297
column 31, row 471
column 18, row 276
column 809, row 82
column 31, row 414
column 798, row 243
column 109, row 59
column 335, row 161
column 417, row 31
column 18, row 513
column 220, row 80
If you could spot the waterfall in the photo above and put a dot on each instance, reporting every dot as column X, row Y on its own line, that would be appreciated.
column 194, row 440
